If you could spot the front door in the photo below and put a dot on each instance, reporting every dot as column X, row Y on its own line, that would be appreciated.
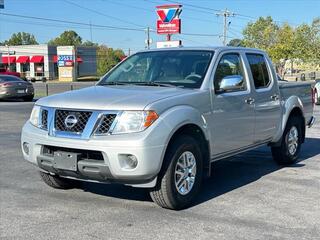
column 233, row 111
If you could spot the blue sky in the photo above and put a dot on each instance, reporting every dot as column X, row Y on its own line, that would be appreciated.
column 139, row 14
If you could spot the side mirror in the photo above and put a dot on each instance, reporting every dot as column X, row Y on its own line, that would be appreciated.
column 231, row 83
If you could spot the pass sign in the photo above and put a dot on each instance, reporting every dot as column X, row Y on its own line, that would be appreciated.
column 65, row 60
column 168, row 19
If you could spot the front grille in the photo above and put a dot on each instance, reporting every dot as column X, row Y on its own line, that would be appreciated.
column 81, row 117
column 106, row 123
column 44, row 119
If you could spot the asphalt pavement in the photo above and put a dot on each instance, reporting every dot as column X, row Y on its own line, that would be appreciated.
column 248, row 197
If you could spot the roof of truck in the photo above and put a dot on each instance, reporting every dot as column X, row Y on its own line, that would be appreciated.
column 213, row 48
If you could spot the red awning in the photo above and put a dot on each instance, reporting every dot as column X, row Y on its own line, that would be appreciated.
column 79, row 60
column 7, row 59
column 23, row 59
column 36, row 59
column 55, row 58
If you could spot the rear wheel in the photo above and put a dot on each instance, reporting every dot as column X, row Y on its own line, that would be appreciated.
column 58, row 182
column 288, row 151
column 180, row 179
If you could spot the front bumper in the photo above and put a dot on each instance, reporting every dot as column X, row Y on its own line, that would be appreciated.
column 145, row 146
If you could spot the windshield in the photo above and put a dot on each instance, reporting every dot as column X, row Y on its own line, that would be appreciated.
column 9, row 78
column 178, row 68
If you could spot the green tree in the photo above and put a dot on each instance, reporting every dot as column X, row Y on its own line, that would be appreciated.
column 90, row 44
column 260, row 34
column 107, row 58
column 67, row 38
column 21, row 38
column 236, row 42
column 283, row 49
column 307, row 42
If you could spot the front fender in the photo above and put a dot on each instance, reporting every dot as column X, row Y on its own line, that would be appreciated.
column 176, row 117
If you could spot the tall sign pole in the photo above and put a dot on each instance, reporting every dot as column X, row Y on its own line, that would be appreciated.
column 226, row 14
column 169, row 23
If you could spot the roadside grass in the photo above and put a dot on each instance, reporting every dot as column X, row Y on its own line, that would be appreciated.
column 40, row 94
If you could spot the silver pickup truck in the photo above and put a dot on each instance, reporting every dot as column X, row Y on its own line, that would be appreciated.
column 160, row 118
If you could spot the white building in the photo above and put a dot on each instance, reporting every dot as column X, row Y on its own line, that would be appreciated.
column 40, row 61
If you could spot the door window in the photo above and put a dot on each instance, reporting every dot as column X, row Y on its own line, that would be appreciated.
column 229, row 65
column 259, row 70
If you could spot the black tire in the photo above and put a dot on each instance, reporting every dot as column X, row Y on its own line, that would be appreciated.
column 282, row 154
column 55, row 181
column 28, row 98
column 165, row 193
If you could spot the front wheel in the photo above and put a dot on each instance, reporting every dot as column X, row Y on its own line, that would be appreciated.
column 288, row 151
column 55, row 181
column 180, row 179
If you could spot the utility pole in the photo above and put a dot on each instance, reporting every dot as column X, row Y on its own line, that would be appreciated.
column 148, row 40
column 129, row 52
column 226, row 13
column 90, row 31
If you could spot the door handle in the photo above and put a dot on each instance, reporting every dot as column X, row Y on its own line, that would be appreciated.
column 274, row 97
column 249, row 101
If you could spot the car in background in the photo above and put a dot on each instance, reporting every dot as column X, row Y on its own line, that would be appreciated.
column 15, row 87
column 317, row 93
column 4, row 71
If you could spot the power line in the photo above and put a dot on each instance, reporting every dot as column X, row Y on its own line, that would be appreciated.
column 73, row 22
column 88, row 25
column 102, row 14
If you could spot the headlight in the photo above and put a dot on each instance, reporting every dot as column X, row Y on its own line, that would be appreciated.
column 134, row 121
column 34, row 117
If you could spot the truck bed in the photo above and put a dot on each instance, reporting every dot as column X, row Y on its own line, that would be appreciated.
column 300, row 89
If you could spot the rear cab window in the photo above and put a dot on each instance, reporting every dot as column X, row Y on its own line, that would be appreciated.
column 259, row 70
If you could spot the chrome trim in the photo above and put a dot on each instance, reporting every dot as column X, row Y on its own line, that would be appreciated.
column 89, row 130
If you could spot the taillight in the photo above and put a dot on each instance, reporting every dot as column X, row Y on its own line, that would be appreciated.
column 5, row 84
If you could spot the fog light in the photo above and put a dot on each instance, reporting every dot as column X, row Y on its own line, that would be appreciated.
column 128, row 161
column 25, row 147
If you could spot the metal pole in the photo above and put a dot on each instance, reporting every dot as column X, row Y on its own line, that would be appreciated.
column 90, row 31
column 148, row 38
column 225, row 28
column 225, row 15
column 47, row 89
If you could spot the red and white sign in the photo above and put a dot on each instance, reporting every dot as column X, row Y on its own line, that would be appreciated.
column 168, row 19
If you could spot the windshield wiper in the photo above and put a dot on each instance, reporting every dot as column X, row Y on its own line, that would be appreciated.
column 155, row 84
column 113, row 83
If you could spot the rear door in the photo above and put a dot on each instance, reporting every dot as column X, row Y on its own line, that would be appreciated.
column 266, row 96
column 232, row 126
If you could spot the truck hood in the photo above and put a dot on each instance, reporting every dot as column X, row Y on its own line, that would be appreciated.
column 110, row 97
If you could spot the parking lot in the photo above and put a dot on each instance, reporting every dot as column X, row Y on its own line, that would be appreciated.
column 248, row 197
